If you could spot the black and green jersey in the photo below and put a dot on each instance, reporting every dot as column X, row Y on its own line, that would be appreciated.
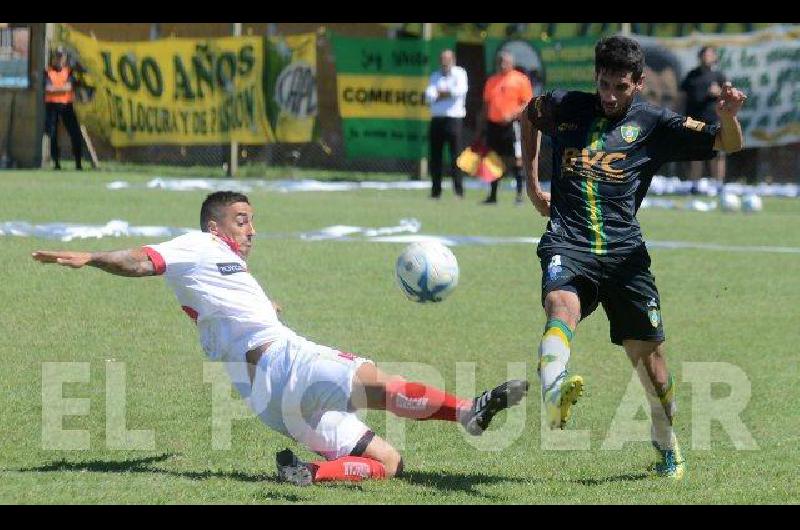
column 602, row 167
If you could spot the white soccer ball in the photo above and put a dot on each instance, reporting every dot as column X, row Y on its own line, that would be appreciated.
column 730, row 202
column 752, row 203
column 427, row 271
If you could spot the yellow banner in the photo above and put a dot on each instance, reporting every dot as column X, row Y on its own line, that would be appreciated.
column 173, row 91
column 293, row 60
column 370, row 96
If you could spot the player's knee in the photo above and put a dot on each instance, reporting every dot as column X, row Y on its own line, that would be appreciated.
column 392, row 463
column 563, row 306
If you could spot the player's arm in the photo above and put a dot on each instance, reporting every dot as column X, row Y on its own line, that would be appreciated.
column 729, row 137
column 132, row 262
column 531, row 141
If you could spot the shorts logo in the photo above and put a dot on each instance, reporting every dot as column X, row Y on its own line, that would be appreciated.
column 554, row 268
column 226, row 269
column 653, row 312
column 629, row 133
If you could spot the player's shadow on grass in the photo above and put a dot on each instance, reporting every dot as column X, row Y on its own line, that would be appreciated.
column 456, row 482
column 630, row 477
column 144, row 465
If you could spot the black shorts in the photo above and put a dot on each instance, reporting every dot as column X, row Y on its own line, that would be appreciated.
column 622, row 284
column 500, row 138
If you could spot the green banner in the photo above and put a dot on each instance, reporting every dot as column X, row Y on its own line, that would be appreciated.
column 566, row 64
column 380, row 86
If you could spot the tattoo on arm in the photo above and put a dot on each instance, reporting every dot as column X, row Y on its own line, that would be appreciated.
column 132, row 262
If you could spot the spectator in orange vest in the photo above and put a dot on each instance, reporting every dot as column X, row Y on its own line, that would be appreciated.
column 505, row 95
column 59, row 93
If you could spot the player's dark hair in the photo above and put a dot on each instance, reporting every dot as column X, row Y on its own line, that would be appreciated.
column 214, row 204
column 619, row 54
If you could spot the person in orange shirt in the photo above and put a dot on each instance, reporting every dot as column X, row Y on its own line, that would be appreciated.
column 59, row 93
column 505, row 95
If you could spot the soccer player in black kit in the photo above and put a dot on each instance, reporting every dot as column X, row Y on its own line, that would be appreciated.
column 606, row 148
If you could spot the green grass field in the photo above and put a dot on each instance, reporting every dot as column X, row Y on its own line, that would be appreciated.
column 738, row 308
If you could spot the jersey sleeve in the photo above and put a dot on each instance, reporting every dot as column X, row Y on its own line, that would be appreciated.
column 543, row 112
column 684, row 138
column 172, row 257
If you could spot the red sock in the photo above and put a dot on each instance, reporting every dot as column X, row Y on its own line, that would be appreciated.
column 422, row 402
column 353, row 468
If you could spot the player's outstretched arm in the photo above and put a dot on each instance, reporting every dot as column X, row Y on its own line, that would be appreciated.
column 131, row 262
column 729, row 138
column 531, row 141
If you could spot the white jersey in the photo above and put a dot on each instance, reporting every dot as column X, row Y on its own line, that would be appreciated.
column 212, row 284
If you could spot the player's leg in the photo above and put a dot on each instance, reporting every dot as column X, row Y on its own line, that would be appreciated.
column 559, row 390
column 351, row 450
column 568, row 295
column 302, row 390
column 374, row 389
column 649, row 360
column 634, row 310
column 436, row 141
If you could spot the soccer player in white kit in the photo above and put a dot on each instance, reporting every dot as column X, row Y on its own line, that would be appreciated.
column 303, row 390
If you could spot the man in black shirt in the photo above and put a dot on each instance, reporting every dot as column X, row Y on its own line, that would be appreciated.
column 606, row 148
column 702, row 88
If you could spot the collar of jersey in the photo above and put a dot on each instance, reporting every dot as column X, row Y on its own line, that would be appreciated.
column 233, row 245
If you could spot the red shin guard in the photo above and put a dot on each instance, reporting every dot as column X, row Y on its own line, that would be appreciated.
column 421, row 402
column 350, row 468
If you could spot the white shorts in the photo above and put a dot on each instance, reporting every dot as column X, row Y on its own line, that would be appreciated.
column 302, row 390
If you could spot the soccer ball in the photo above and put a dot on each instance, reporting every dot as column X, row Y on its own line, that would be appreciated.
column 427, row 271
column 752, row 203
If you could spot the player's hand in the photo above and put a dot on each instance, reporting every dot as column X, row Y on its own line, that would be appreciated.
column 730, row 101
column 75, row 260
column 541, row 201
column 714, row 90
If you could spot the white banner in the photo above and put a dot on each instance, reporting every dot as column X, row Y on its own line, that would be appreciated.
column 765, row 64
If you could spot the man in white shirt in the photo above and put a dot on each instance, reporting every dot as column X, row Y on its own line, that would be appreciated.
column 303, row 390
column 446, row 94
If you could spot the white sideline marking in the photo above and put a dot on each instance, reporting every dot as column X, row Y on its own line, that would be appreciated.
column 407, row 231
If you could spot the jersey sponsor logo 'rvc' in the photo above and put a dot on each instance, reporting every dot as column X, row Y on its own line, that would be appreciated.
column 231, row 268
column 601, row 160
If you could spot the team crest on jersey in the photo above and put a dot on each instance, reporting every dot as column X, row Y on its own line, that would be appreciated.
column 653, row 312
column 630, row 133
